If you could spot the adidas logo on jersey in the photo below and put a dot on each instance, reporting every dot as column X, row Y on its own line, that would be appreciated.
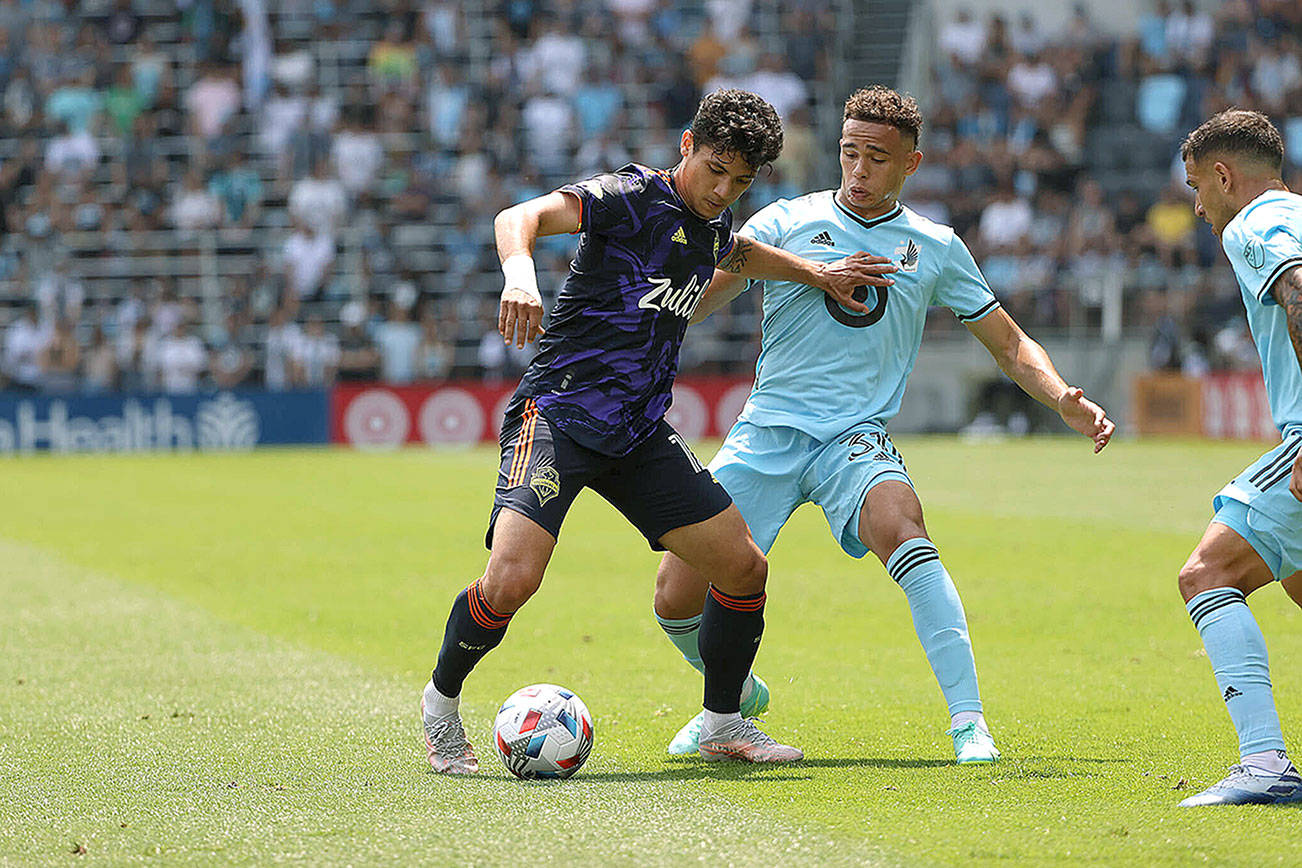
column 680, row 236
column 823, row 238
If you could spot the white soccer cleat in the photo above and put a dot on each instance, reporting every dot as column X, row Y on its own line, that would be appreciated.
column 1245, row 786
column 743, row 740
column 688, row 739
column 972, row 744
column 446, row 746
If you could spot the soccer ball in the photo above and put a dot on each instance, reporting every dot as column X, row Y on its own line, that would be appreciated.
column 543, row 731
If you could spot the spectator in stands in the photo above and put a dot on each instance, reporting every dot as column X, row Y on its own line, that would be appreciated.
column 182, row 360
column 1006, row 220
column 59, row 293
column 238, row 188
column 398, row 339
column 194, row 208
column 99, row 365
column 357, row 155
column 76, row 103
column 1032, row 80
column 434, row 355
column 24, row 351
column 316, row 355
column 392, row 61
column 123, row 24
column 73, row 157
column 1171, row 224
column 319, row 201
column 781, row 87
column 964, row 38
column 231, row 359
column 136, row 354
column 151, row 69
column 307, row 258
column 60, row 358
column 212, row 102
column 358, row 358
column 283, row 336
column 293, row 65
column 557, row 58
column 124, row 102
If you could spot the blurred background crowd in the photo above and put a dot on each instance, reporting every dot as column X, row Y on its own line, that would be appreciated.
column 283, row 193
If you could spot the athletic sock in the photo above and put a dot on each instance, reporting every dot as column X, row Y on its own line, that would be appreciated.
column 731, row 628
column 474, row 628
column 438, row 705
column 1238, row 653
column 685, row 633
column 1273, row 761
column 714, row 722
column 939, row 621
column 966, row 717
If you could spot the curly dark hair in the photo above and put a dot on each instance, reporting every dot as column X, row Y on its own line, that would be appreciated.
column 881, row 105
column 738, row 122
column 1239, row 132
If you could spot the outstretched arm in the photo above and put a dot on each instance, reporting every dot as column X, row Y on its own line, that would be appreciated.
column 724, row 287
column 1029, row 366
column 758, row 261
column 1288, row 292
column 519, row 318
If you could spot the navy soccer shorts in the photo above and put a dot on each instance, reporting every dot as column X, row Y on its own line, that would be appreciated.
column 658, row 486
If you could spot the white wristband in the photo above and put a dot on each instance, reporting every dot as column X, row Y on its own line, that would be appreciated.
column 519, row 272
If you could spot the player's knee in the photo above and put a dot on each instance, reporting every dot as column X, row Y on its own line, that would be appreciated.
column 508, row 584
column 1197, row 576
column 748, row 577
column 884, row 544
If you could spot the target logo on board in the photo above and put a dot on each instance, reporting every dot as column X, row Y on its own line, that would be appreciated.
column 376, row 419
column 451, row 417
column 689, row 414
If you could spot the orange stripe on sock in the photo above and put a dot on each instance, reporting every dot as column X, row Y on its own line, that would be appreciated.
column 484, row 614
column 736, row 604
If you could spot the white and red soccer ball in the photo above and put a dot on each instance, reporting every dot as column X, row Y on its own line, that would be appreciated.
column 543, row 731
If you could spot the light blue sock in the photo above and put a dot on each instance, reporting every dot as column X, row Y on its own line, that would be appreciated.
column 683, row 632
column 1238, row 653
column 939, row 621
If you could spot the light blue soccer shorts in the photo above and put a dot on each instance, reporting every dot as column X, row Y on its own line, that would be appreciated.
column 769, row 471
column 1258, row 506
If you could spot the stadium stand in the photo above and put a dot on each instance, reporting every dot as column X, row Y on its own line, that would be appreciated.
column 306, row 187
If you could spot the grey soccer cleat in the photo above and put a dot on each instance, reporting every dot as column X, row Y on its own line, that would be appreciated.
column 446, row 745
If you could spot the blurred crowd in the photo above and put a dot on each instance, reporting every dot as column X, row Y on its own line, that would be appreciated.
column 1056, row 156
column 284, row 193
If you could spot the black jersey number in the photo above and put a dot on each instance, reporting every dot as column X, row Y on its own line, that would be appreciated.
column 859, row 320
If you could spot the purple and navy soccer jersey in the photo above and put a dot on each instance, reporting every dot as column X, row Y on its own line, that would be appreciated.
column 606, row 364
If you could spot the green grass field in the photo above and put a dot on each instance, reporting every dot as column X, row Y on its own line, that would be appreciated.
column 217, row 659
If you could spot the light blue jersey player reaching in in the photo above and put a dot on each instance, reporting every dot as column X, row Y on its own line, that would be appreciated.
column 829, row 379
column 1234, row 161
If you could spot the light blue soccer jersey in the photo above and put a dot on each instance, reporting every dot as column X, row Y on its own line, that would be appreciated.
column 1263, row 241
column 823, row 368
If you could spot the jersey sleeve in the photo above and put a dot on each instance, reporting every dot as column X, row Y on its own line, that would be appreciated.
column 607, row 203
column 961, row 287
column 1261, row 249
column 768, row 225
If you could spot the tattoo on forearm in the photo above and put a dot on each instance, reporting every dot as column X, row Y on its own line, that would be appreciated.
column 1288, row 292
column 735, row 261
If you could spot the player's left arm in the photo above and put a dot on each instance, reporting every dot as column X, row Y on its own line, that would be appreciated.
column 1030, row 367
column 1288, row 293
column 756, row 260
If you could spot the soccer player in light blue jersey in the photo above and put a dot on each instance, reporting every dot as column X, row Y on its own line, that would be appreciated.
column 830, row 378
column 1234, row 162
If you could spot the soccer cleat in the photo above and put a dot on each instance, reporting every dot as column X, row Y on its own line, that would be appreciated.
column 446, row 745
column 972, row 744
column 743, row 740
column 1243, row 786
column 687, row 738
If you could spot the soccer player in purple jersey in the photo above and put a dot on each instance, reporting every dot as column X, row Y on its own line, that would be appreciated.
column 589, row 412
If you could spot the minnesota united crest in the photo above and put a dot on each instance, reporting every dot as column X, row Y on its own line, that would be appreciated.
column 545, row 482
column 908, row 256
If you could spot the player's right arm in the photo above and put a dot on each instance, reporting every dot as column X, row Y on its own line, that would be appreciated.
column 724, row 287
column 1288, row 293
column 516, row 229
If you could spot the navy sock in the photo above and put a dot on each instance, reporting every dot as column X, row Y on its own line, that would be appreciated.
column 731, row 628
column 474, row 628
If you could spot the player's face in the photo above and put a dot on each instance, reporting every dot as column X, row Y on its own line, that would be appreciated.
column 710, row 181
column 875, row 160
column 1210, row 182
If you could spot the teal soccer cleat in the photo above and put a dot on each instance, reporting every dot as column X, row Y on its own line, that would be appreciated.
column 1243, row 786
column 688, row 738
column 973, row 744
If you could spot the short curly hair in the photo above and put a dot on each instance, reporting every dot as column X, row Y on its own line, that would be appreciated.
column 738, row 122
column 1239, row 132
column 881, row 105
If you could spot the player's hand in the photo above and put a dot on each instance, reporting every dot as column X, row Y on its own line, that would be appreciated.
column 519, row 319
column 1088, row 418
column 842, row 277
column 1295, row 484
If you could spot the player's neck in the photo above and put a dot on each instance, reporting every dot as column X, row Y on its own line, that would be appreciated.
column 867, row 213
column 1259, row 186
column 675, row 180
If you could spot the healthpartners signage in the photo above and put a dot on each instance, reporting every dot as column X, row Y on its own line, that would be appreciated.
column 219, row 421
